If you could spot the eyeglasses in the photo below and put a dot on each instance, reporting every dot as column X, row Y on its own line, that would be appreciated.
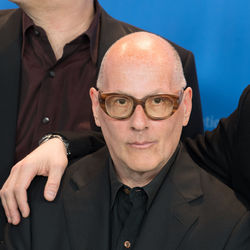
column 156, row 107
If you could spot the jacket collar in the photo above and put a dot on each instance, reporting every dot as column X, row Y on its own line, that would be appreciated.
column 13, row 23
column 86, row 199
column 186, row 176
column 111, row 31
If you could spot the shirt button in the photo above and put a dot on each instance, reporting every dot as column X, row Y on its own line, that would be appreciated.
column 52, row 73
column 37, row 33
column 45, row 120
column 127, row 244
column 126, row 191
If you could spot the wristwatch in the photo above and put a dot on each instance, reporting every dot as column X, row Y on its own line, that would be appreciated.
column 52, row 136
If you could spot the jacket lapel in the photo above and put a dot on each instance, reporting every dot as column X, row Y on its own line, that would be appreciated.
column 87, row 203
column 10, row 58
column 172, row 214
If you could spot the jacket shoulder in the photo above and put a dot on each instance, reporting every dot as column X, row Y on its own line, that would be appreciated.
column 244, row 102
column 77, row 173
column 222, row 213
column 6, row 15
column 109, row 20
column 221, row 197
column 214, row 193
column 89, row 163
column 128, row 28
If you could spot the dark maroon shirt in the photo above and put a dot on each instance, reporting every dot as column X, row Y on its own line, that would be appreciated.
column 54, row 95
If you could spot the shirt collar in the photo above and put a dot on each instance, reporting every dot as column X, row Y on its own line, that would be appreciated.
column 92, row 32
column 151, row 188
column 27, row 23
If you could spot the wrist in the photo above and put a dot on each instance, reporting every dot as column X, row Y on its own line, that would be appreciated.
column 57, row 136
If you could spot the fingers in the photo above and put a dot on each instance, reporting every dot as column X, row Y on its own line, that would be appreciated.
column 14, row 192
column 6, row 209
column 50, row 159
column 23, row 179
column 57, row 164
column 11, row 209
column 53, row 184
column 8, row 198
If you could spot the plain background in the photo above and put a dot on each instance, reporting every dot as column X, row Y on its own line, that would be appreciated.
column 216, row 31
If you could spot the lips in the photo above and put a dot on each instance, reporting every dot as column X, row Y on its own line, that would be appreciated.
column 141, row 145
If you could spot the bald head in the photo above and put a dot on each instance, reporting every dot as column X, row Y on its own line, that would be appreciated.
column 144, row 72
column 142, row 49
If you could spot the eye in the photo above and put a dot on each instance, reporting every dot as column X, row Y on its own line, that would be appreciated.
column 121, row 101
column 157, row 100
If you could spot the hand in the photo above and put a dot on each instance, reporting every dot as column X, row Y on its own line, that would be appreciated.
column 49, row 159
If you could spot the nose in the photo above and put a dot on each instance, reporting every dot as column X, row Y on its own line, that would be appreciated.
column 139, row 120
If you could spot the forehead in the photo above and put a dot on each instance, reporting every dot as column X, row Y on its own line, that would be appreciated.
column 138, row 76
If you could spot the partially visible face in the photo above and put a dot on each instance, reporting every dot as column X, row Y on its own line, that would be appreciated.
column 25, row 2
column 15, row 1
column 139, row 143
column 36, row 4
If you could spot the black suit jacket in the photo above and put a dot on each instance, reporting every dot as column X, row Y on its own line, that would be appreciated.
column 10, row 65
column 225, row 151
column 192, row 210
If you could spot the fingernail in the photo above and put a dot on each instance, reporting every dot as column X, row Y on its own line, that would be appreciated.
column 24, row 214
column 13, row 221
column 51, row 194
column 9, row 220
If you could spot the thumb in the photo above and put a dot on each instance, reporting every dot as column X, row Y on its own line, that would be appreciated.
column 52, row 185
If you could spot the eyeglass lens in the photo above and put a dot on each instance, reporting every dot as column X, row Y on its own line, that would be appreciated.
column 156, row 107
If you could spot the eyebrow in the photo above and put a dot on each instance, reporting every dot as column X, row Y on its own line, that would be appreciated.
column 155, row 92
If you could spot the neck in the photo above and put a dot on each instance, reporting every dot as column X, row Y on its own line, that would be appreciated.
column 133, row 179
column 136, row 180
column 63, row 22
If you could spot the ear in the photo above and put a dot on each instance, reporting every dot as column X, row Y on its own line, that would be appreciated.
column 187, row 102
column 95, row 104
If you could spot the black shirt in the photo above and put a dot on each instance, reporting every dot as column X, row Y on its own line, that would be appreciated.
column 54, row 94
column 130, row 205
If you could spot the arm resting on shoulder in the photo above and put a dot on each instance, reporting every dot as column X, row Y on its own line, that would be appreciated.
column 225, row 151
column 214, row 151
column 82, row 143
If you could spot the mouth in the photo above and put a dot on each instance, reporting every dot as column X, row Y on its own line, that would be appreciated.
column 142, row 145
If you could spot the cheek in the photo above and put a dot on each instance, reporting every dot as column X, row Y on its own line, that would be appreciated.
column 113, row 131
column 170, row 135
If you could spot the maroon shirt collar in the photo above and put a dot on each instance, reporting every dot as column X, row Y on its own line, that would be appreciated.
column 92, row 32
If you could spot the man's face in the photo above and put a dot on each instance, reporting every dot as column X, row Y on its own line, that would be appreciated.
column 36, row 4
column 139, row 143
column 24, row 2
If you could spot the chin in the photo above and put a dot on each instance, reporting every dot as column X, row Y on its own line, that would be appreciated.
column 143, row 165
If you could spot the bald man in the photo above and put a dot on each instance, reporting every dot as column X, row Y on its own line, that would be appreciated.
column 142, row 191
column 50, row 54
